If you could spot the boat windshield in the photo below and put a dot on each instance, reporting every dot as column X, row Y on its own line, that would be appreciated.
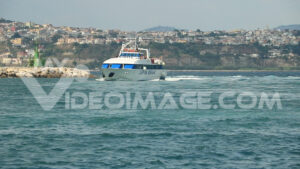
column 105, row 66
column 125, row 54
column 116, row 66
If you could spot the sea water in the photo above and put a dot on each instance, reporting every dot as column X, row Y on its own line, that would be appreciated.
column 152, row 137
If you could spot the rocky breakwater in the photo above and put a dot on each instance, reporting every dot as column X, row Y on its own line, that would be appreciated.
column 43, row 72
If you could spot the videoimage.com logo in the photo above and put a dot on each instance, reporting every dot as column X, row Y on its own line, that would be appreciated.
column 197, row 100
column 98, row 100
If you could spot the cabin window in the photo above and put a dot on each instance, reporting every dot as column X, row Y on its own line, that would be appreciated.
column 105, row 66
column 154, row 66
column 138, row 66
column 128, row 66
column 116, row 66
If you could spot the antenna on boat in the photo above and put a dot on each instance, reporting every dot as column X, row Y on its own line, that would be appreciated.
column 135, row 43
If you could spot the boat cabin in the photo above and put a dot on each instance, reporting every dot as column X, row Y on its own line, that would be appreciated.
column 130, row 66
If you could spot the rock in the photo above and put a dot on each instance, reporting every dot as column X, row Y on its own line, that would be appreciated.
column 20, row 74
column 75, row 74
column 11, row 74
column 28, row 75
column 46, row 72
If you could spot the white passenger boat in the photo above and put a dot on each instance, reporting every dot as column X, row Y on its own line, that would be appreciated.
column 133, row 63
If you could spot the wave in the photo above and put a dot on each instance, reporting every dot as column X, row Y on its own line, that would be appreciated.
column 221, row 78
column 181, row 78
column 171, row 78
column 238, row 77
column 293, row 77
column 101, row 79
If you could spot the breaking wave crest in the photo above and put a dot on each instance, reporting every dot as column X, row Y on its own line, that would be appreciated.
column 181, row 78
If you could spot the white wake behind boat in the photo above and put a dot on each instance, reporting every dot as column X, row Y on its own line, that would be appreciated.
column 133, row 63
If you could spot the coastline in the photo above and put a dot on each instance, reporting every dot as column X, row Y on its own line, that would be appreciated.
column 43, row 72
column 67, row 72
column 195, row 70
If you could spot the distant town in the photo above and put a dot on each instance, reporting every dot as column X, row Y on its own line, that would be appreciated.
column 18, row 40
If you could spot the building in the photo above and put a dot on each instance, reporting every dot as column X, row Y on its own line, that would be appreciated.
column 11, row 61
column 16, row 42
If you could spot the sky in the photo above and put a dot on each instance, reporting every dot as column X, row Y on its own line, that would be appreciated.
column 136, row 15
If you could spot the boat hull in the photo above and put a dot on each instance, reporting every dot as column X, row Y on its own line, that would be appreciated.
column 133, row 74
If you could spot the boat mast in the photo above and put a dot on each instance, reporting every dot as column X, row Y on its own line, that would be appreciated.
column 135, row 46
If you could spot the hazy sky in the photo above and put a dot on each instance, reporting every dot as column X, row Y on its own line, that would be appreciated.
column 140, row 14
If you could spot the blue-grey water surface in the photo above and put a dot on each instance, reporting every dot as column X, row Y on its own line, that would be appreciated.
column 31, row 137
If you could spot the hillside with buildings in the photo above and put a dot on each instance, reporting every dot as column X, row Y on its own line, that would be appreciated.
column 181, row 49
column 289, row 27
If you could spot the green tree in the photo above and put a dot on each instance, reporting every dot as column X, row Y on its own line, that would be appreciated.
column 16, row 35
column 56, row 37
